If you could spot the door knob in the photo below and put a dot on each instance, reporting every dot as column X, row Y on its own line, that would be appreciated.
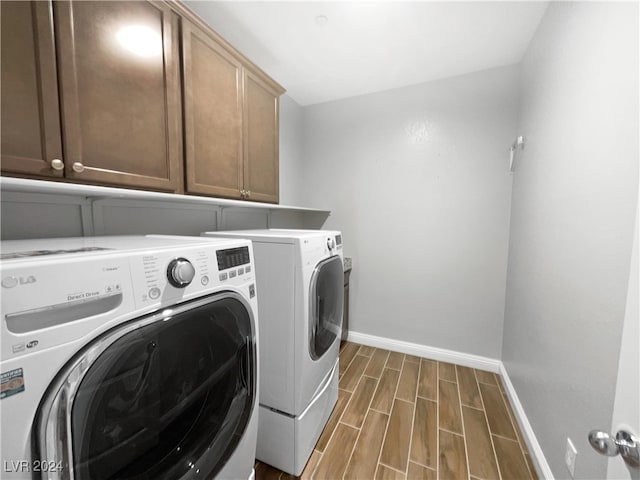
column 626, row 444
column 77, row 167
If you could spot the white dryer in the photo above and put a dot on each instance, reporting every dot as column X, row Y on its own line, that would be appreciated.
column 301, row 281
column 128, row 357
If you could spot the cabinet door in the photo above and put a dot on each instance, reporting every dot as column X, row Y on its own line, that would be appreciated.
column 261, row 174
column 118, row 65
column 213, row 115
column 30, row 112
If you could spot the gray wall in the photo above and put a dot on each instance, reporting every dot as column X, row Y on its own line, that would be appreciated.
column 417, row 180
column 573, row 210
column 291, row 151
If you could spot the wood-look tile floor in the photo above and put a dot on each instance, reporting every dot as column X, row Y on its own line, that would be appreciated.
column 403, row 417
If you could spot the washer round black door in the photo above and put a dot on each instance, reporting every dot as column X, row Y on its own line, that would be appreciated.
column 167, row 396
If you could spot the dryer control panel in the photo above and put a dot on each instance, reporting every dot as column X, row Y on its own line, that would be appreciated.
column 316, row 248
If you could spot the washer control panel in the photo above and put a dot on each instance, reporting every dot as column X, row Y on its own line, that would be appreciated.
column 163, row 276
column 61, row 295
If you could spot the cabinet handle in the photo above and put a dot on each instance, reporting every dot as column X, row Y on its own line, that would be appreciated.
column 57, row 164
column 77, row 167
column 243, row 194
column 248, row 192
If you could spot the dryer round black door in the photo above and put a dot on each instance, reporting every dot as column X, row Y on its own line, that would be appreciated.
column 166, row 397
column 326, row 297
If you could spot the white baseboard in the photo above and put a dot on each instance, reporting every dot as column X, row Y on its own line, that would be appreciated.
column 539, row 460
column 473, row 361
column 433, row 353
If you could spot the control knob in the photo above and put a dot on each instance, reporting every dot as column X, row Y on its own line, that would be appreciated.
column 180, row 272
column 330, row 243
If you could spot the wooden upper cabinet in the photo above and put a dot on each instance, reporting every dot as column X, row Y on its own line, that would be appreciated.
column 231, row 120
column 261, row 173
column 30, row 112
column 91, row 92
column 118, row 66
column 212, row 115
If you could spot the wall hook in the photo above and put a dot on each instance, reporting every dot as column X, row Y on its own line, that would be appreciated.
column 519, row 142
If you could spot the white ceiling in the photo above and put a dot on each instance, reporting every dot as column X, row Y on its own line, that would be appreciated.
column 368, row 46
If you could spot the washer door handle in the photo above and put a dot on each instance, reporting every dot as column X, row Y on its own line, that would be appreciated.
column 246, row 365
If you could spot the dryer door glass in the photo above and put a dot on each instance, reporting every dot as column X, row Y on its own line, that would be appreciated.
column 325, row 299
column 169, row 399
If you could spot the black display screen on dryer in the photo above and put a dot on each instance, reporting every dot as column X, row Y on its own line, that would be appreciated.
column 232, row 257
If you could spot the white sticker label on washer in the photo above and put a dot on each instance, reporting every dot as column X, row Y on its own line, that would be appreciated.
column 12, row 383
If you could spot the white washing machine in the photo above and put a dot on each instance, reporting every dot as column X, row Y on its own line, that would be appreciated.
column 128, row 358
column 301, row 282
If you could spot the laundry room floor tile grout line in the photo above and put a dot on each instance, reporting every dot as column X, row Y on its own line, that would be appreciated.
column 484, row 412
column 386, row 429
column 355, row 445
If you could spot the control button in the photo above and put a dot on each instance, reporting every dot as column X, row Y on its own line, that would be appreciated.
column 154, row 293
column 223, row 276
column 252, row 290
column 232, row 273
column 180, row 272
column 240, row 271
column 247, row 269
column 204, row 280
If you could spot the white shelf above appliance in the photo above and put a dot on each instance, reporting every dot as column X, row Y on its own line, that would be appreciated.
column 39, row 208
column 94, row 192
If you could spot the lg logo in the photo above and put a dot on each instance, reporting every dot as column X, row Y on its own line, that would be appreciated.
column 10, row 282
